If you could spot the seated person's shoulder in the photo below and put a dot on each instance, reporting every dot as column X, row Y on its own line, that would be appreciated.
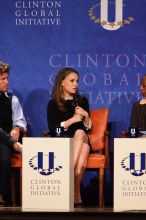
column 51, row 103
column 12, row 96
column 137, row 103
column 15, row 98
column 82, row 98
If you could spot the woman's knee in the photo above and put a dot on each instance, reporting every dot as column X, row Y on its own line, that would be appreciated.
column 79, row 134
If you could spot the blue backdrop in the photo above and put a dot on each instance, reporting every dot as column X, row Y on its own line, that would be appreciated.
column 40, row 37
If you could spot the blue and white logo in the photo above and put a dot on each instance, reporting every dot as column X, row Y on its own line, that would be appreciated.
column 135, row 164
column 44, row 163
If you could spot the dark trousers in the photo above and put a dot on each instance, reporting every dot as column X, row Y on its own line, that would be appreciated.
column 5, row 168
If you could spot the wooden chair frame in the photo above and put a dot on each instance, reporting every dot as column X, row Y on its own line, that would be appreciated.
column 99, row 160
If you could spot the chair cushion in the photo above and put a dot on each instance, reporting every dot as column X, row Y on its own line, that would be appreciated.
column 96, row 161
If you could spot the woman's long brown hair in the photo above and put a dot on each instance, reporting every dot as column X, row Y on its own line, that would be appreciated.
column 57, row 92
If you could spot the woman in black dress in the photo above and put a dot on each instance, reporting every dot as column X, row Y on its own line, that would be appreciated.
column 70, row 110
column 138, row 114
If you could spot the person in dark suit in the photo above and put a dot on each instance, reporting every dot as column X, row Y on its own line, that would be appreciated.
column 11, row 122
column 70, row 110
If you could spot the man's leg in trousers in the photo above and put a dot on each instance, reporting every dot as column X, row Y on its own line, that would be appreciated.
column 5, row 170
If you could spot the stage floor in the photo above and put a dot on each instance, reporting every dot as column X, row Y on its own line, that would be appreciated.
column 14, row 213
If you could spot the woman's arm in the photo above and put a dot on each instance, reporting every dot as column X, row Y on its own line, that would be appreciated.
column 134, row 116
column 83, row 110
column 54, row 120
column 53, row 116
column 76, row 118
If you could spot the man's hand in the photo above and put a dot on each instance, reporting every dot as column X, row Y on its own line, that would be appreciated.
column 17, row 147
column 15, row 133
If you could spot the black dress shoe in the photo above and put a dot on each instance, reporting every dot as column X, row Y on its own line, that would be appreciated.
column 2, row 204
column 78, row 205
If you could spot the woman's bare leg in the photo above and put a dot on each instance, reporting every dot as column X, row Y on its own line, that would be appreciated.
column 79, row 138
column 81, row 151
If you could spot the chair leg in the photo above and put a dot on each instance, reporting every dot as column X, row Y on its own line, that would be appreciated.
column 13, row 187
column 13, row 191
column 16, row 181
column 101, row 182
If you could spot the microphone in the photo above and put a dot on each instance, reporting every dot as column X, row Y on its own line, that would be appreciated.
column 76, row 102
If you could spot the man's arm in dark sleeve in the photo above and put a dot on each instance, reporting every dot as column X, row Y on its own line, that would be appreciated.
column 6, row 138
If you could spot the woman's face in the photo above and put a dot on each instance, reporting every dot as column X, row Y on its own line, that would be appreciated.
column 70, row 84
column 143, row 87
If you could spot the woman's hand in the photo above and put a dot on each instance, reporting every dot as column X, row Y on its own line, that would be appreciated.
column 81, row 111
column 85, row 116
column 80, row 115
column 77, row 118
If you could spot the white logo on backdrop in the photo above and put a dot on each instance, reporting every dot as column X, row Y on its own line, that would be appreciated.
column 104, row 14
